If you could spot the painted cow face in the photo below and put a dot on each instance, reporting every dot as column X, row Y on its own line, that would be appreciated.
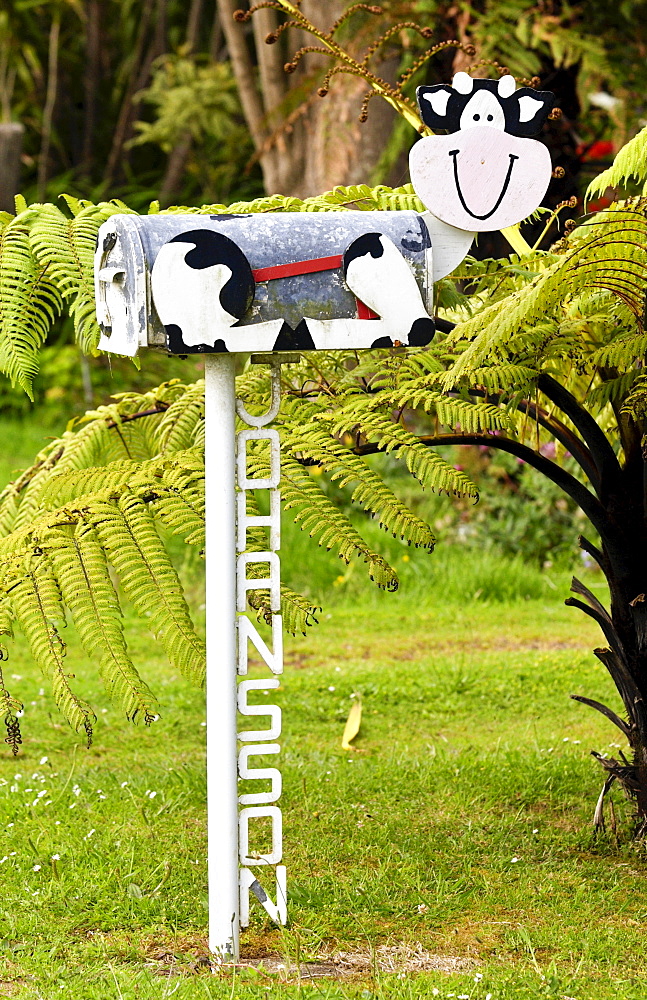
column 487, row 173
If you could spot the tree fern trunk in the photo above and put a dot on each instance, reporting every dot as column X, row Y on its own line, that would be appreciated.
column 11, row 134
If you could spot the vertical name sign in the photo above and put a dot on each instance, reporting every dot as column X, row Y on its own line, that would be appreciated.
column 260, row 570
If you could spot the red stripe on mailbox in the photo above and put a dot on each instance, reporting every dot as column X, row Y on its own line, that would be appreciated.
column 298, row 267
column 309, row 267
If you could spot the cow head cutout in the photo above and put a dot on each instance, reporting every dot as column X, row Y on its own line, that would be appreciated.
column 487, row 173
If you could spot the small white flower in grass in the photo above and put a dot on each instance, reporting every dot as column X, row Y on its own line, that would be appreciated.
column 152, row 795
column 565, row 740
column 104, row 711
column 73, row 806
column 42, row 793
column 123, row 784
column 478, row 976
column 58, row 822
column 577, row 741
column 2, row 860
column 48, row 802
column 423, row 908
column 41, row 692
column 488, row 996
column 43, row 760
column 20, row 714
column 36, row 868
column 463, row 996
column 89, row 834
column 12, row 854
column 435, row 991
column 14, row 788
column 17, row 777
column 16, row 677
column 514, row 860
column 9, row 824
column 331, row 687
column 535, row 830
column 56, row 857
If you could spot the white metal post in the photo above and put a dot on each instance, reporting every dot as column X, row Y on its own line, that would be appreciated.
column 222, row 789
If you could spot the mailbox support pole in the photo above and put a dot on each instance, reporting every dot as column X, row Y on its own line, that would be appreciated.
column 222, row 789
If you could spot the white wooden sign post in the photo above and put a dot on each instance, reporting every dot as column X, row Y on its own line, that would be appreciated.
column 226, row 284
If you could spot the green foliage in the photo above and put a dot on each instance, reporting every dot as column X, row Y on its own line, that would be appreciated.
column 520, row 512
column 196, row 99
column 107, row 496
column 64, row 534
column 628, row 169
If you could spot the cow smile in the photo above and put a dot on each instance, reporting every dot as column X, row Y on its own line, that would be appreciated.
column 454, row 153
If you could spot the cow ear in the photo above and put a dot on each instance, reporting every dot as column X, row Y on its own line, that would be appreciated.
column 527, row 110
column 438, row 107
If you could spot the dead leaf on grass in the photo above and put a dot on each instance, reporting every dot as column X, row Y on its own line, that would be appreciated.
column 353, row 722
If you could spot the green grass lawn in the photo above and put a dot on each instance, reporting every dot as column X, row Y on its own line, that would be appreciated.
column 460, row 826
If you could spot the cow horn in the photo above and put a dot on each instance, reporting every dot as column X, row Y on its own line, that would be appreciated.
column 463, row 83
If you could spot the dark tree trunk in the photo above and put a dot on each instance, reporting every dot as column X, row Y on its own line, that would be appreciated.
column 11, row 134
column 320, row 143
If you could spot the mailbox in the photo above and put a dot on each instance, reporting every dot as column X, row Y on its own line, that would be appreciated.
column 262, row 282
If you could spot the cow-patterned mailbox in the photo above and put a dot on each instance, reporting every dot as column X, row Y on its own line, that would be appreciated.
column 225, row 284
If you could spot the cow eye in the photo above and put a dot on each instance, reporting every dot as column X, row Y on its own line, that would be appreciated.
column 483, row 108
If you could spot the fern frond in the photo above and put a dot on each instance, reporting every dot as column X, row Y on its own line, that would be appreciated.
column 65, row 249
column 29, row 304
column 177, row 428
column 37, row 605
column 317, row 515
column 129, row 537
column 82, row 575
column 297, row 612
column 629, row 166
column 610, row 254
column 424, row 463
